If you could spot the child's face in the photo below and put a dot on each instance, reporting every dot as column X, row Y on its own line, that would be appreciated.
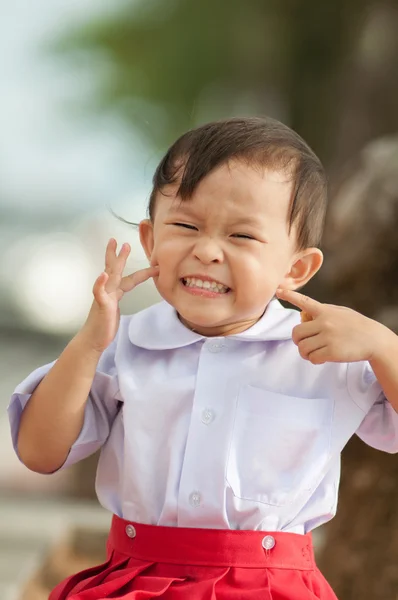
column 234, row 232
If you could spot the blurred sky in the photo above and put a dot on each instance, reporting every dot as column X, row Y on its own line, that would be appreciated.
column 49, row 158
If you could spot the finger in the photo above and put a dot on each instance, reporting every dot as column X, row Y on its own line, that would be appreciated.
column 99, row 292
column 110, row 254
column 305, row 330
column 120, row 262
column 131, row 281
column 308, row 305
column 116, row 265
column 319, row 356
column 309, row 345
column 125, row 249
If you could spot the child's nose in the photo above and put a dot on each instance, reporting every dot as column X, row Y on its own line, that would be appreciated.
column 207, row 250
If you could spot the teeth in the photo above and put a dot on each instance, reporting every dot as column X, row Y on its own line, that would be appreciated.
column 208, row 285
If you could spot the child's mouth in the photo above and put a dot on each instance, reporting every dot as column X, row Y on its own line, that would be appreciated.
column 205, row 285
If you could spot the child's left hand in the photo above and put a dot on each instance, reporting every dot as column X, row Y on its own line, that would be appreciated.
column 334, row 333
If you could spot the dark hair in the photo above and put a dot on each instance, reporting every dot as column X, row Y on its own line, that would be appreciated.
column 258, row 142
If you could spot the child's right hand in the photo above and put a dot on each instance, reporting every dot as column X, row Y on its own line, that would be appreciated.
column 103, row 320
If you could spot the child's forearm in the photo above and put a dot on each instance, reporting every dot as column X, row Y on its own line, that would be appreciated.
column 54, row 415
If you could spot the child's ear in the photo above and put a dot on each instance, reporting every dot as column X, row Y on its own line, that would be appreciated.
column 305, row 265
column 147, row 238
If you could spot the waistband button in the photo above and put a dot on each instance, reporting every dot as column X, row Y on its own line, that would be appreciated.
column 130, row 531
column 268, row 542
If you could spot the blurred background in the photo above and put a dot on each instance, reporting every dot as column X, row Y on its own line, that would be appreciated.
column 91, row 95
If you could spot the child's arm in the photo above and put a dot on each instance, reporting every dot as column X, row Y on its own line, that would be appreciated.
column 53, row 418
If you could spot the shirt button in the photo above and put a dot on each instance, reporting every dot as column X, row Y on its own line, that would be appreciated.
column 194, row 499
column 207, row 416
column 268, row 542
column 130, row 531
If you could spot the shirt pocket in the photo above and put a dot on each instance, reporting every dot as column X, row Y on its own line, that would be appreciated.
column 280, row 445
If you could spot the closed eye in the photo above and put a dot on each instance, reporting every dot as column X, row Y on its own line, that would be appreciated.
column 243, row 236
column 186, row 226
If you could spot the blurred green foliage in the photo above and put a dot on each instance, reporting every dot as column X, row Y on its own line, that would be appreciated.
column 323, row 67
column 165, row 66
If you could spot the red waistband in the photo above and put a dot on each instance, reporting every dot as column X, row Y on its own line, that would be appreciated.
column 211, row 547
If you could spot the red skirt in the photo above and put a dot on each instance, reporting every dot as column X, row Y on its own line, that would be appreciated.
column 148, row 561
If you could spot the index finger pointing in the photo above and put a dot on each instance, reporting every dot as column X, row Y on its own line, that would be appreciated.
column 305, row 303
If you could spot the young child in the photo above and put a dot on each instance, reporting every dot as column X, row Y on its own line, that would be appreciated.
column 221, row 416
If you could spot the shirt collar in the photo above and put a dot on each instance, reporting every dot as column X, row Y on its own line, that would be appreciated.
column 159, row 328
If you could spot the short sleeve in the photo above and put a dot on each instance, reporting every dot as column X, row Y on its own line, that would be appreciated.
column 379, row 427
column 100, row 412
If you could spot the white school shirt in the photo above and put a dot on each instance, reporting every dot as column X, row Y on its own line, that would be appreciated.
column 234, row 432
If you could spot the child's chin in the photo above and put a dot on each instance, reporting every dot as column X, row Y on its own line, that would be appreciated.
column 202, row 320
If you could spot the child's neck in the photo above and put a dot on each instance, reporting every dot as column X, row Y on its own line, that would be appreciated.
column 221, row 330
